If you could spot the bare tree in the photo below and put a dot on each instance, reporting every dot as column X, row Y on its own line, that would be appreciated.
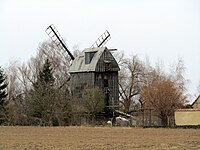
column 60, row 63
column 15, row 88
column 131, row 79
column 15, row 102
column 59, row 59
column 93, row 101
column 22, row 77
column 163, row 97
column 165, row 93
column 177, row 74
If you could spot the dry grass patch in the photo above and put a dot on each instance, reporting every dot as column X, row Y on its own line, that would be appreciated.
column 98, row 138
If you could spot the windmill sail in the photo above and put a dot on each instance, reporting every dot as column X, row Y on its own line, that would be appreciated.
column 57, row 39
column 101, row 41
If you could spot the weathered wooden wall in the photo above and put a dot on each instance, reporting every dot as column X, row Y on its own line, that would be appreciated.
column 79, row 81
column 103, row 63
column 111, row 85
column 105, row 76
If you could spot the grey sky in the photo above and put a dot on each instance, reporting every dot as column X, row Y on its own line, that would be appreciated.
column 159, row 29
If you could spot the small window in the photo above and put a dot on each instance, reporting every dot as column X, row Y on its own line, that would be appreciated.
column 105, row 81
column 88, row 57
column 108, row 66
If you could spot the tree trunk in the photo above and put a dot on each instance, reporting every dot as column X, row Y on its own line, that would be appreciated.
column 164, row 120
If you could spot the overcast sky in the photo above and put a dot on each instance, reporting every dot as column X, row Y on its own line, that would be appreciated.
column 160, row 29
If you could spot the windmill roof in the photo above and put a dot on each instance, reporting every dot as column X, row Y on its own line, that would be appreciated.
column 78, row 65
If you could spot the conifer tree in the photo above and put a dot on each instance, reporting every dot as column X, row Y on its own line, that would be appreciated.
column 45, row 77
column 3, row 86
column 42, row 96
column 47, row 105
column 3, row 94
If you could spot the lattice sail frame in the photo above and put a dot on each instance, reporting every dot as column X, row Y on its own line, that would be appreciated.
column 57, row 39
column 102, row 40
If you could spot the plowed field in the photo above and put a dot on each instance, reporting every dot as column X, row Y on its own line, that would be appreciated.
column 98, row 138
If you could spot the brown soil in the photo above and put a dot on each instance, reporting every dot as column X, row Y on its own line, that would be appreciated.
column 98, row 138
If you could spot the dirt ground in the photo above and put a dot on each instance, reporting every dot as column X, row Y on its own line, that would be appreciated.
column 98, row 138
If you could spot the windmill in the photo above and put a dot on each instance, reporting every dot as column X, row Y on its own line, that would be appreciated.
column 93, row 67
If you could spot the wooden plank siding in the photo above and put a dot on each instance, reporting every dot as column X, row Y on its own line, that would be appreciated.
column 79, row 81
column 101, row 64
column 112, row 85
column 101, row 71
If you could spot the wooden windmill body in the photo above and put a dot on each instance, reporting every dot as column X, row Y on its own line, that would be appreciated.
column 93, row 67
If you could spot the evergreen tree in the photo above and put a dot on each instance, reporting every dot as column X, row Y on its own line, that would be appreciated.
column 42, row 97
column 48, row 105
column 3, row 86
column 45, row 77
column 3, row 94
